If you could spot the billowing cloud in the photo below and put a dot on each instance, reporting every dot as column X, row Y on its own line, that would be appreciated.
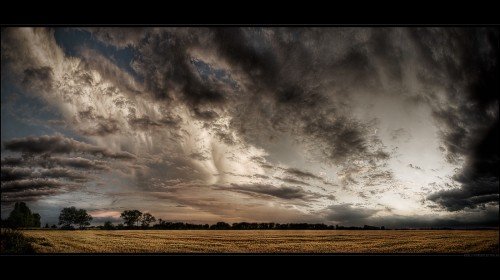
column 478, row 180
column 54, row 161
column 58, row 144
column 76, row 162
column 45, row 167
column 26, row 184
column 283, row 192
column 471, row 194
column 16, row 173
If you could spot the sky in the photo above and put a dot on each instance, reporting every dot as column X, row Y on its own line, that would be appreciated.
column 337, row 125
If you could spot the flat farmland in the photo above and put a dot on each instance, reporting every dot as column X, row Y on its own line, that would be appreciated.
column 265, row 241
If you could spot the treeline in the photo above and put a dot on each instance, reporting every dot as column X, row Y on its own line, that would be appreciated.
column 135, row 219
column 71, row 218
column 219, row 226
column 236, row 226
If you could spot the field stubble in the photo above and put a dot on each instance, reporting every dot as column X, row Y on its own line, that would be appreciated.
column 265, row 241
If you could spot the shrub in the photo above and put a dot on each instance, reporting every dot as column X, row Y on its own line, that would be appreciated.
column 13, row 242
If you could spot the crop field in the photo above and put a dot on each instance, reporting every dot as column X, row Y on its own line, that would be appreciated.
column 264, row 241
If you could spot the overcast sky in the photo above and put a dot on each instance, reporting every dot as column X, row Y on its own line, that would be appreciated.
column 351, row 126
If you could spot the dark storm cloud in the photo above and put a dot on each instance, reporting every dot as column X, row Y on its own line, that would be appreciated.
column 168, row 66
column 50, row 162
column 472, row 194
column 10, row 161
column 283, row 192
column 43, row 144
column 301, row 174
column 347, row 214
column 259, row 62
column 348, row 141
column 19, row 173
column 39, row 173
column 30, row 184
column 58, row 144
column 479, row 178
column 35, row 177
column 469, row 122
column 15, row 173
column 345, row 138
column 30, row 195
column 485, row 218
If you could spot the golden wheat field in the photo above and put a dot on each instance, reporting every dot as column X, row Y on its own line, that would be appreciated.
column 264, row 241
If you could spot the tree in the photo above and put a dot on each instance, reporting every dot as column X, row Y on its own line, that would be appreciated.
column 147, row 219
column 83, row 218
column 53, row 226
column 131, row 217
column 35, row 222
column 108, row 225
column 71, row 215
column 67, row 217
column 21, row 216
column 46, row 225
